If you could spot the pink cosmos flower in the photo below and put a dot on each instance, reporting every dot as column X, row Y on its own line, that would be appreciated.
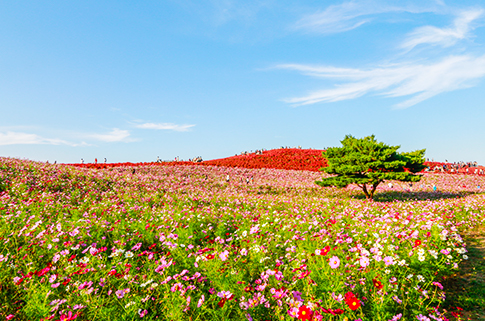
column 364, row 261
column 223, row 256
column 136, row 247
column 67, row 317
column 224, row 294
column 388, row 260
column 120, row 294
column 445, row 252
column 334, row 262
column 52, row 278
column 201, row 301
column 293, row 312
column 56, row 258
column 142, row 313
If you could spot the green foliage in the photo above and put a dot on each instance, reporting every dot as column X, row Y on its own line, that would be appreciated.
column 3, row 186
column 368, row 163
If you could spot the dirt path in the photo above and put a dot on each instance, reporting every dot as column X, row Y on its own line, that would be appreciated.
column 466, row 289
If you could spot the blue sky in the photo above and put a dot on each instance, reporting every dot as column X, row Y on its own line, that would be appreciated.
column 131, row 81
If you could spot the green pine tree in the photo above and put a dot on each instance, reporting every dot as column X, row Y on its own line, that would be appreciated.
column 367, row 163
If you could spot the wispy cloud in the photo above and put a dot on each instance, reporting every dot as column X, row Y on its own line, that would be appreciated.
column 19, row 138
column 116, row 135
column 444, row 36
column 352, row 14
column 165, row 126
column 421, row 81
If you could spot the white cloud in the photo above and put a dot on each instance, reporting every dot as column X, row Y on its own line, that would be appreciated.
column 423, row 81
column 352, row 14
column 19, row 138
column 165, row 126
column 116, row 135
column 443, row 36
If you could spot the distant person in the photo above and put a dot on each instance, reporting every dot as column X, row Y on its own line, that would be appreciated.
column 105, row 160
column 95, row 160
column 82, row 161
column 134, row 170
column 228, row 178
column 390, row 185
column 434, row 188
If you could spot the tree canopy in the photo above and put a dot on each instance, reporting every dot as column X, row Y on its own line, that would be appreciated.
column 367, row 163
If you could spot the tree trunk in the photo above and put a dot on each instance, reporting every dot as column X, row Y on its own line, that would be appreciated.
column 364, row 188
column 374, row 187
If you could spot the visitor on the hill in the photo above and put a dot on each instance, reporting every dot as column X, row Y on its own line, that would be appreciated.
column 82, row 161
column 95, row 160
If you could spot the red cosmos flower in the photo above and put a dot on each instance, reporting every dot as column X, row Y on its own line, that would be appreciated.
column 352, row 301
column 304, row 313
column 377, row 284
column 417, row 243
column 353, row 304
column 210, row 257
column 221, row 303
column 325, row 250
column 304, row 274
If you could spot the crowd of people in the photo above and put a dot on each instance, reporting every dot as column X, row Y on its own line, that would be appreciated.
column 260, row 151
column 456, row 167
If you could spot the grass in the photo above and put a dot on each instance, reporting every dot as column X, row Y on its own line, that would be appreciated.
column 467, row 287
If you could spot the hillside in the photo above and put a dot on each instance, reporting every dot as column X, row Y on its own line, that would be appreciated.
column 285, row 158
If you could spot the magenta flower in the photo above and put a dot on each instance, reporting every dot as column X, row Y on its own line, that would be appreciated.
column 136, row 247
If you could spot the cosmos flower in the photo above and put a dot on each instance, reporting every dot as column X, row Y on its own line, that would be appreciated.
column 364, row 261
column 334, row 262
column 304, row 313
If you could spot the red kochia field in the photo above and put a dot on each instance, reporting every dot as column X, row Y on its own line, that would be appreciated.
column 285, row 158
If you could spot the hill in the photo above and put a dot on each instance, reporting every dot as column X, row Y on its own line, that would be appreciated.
column 284, row 158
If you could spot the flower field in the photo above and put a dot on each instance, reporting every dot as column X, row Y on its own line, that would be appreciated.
column 190, row 242
column 285, row 158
